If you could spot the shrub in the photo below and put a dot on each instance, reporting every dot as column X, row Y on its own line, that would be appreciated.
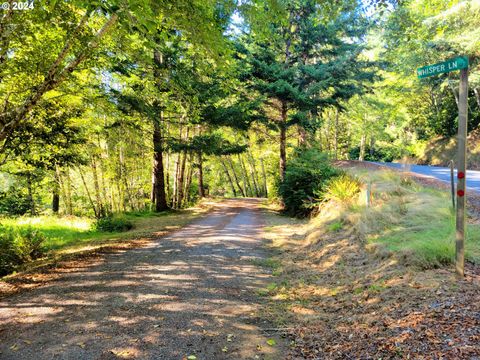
column 385, row 153
column 341, row 189
column 18, row 246
column 113, row 224
column 306, row 175
column 14, row 201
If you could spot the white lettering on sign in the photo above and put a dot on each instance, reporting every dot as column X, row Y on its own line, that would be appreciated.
column 452, row 65
column 443, row 67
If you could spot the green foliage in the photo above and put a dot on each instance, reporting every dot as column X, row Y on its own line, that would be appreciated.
column 18, row 246
column 335, row 226
column 14, row 201
column 307, row 175
column 385, row 153
column 341, row 189
column 208, row 144
column 115, row 223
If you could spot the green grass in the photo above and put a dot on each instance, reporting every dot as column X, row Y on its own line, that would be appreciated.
column 73, row 232
column 60, row 231
column 415, row 223
column 335, row 226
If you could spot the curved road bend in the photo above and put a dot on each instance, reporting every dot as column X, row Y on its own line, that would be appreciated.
column 440, row 173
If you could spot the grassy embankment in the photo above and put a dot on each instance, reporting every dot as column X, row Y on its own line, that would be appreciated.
column 439, row 151
column 355, row 272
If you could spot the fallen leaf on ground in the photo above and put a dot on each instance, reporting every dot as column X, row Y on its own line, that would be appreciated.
column 271, row 342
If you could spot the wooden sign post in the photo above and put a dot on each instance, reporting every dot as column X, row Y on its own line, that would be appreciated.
column 461, row 172
column 459, row 63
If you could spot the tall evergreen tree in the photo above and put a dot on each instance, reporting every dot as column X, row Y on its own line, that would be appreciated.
column 310, row 62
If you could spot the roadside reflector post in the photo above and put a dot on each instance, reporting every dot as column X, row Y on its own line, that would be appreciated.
column 461, row 172
column 458, row 63
column 452, row 182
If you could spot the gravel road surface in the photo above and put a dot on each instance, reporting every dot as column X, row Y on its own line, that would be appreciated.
column 191, row 294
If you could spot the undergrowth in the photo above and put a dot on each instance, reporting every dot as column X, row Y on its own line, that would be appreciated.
column 18, row 246
column 117, row 223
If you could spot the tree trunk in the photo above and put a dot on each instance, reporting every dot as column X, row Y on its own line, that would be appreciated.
column 264, row 177
column 152, row 192
column 56, row 193
column 31, row 199
column 188, row 180
column 434, row 103
column 320, row 140
column 121, row 197
column 123, row 178
column 229, row 178
column 68, row 193
column 168, row 192
column 175, row 181
column 328, row 143
column 158, row 173
column 253, row 172
column 112, row 199
column 201, row 188
column 55, row 201
column 246, row 178
column 302, row 136
column 455, row 95
column 158, row 169
column 100, row 208
column 477, row 95
column 102, row 174
column 283, row 142
column 181, row 175
column 335, row 145
column 361, row 156
column 92, row 203
column 236, row 178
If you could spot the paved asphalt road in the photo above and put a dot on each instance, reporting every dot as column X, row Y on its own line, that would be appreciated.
column 440, row 173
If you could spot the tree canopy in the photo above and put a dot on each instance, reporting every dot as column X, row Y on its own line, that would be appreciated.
column 111, row 106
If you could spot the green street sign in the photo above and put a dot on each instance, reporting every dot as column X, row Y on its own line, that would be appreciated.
column 457, row 63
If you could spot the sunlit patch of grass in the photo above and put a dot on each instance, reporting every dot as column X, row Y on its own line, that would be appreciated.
column 270, row 263
column 268, row 290
column 377, row 288
column 335, row 226
column 71, row 232
column 59, row 231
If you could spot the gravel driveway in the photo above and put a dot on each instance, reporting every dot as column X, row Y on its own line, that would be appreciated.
column 191, row 294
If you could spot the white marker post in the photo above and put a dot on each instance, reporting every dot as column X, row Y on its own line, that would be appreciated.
column 459, row 63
